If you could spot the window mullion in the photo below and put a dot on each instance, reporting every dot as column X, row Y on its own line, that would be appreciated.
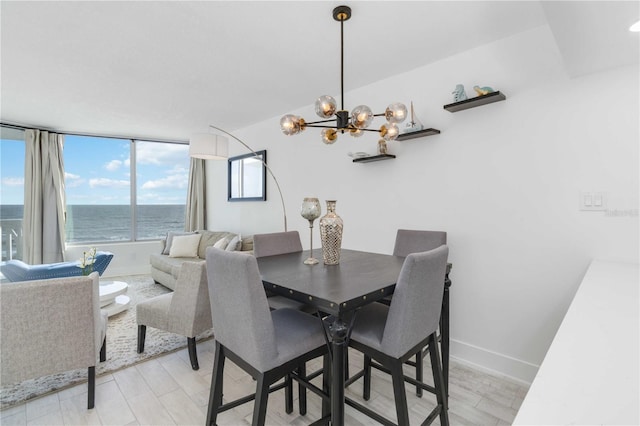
column 133, row 202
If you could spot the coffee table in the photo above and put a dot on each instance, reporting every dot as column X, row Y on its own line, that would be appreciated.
column 113, row 298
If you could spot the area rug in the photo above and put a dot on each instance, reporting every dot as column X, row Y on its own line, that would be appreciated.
column 122, row 335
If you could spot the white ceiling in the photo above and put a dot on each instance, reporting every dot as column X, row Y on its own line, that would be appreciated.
column 168, row 69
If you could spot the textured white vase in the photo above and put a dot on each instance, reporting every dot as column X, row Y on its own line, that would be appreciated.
column 331, row 226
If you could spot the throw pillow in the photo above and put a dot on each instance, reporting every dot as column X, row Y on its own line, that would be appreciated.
column 221, row 243
column 233, row 244
column 169, row 240
column 185, row 246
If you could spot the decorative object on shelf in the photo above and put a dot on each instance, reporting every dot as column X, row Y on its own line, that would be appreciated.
column 382, row 146
column 414, row 125
column 481, row 91
column 358, row 154
column 331, row 226
column 459, row 94
column 361, row 116
column 215, row 147
column 311, row 211
column 489, row 98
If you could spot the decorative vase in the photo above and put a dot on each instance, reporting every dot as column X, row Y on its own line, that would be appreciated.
column 311, row 211
column 331, row 234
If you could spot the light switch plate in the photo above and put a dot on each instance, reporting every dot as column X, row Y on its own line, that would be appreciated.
column 593, row 201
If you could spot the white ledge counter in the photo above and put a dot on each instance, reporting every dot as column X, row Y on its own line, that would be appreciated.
column 590, row 373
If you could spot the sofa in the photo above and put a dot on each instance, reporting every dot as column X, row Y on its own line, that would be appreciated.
column 180, row 247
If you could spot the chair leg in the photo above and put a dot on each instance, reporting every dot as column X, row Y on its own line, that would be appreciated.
column 302, row 391
column 142, row 332
column 260, row 406
column 288, row 394
column 399, row 392
column 438, row 380
column 346, row 363
column 91, row 398
column 103, row 350
column 366, row 383
column 419, row 374
column 215, row 394
column 193, row 354
column 326, row 384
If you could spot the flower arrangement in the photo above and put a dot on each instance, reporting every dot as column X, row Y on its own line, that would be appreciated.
column 87, row 261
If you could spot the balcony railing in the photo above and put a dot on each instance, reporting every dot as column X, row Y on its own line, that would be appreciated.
column 11, row 238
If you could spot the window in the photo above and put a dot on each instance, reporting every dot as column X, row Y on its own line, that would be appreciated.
column 12, row 191
column 122, row 189
column 162, row 175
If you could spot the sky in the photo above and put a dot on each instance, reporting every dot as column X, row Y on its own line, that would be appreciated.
column 97, row 171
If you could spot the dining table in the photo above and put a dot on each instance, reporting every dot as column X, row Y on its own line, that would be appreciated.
column 339, row 291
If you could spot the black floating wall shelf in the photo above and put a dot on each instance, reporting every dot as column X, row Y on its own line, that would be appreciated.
column 489, row 98
column 417, row 134
column 371, row 158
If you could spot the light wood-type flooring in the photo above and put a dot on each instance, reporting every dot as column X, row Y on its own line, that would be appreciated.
column 166, row 391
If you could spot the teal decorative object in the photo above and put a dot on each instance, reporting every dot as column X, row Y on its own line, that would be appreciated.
column 459, row 94
column 483, row 90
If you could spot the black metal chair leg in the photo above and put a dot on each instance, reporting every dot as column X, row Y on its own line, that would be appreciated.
column 366, row 383
column 193, row 354
column 288, row 394
column 142, row 332
column 438, row 380
column 419, row 373
column 215, row 394
column 262, row 396
column 444, row 334
column 302, row 391
column 399, row 392
column 103, row 350
column 91, row 398
column 326, row 384
column 346, row 364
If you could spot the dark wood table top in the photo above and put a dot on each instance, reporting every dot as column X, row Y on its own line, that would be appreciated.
column 360, row 278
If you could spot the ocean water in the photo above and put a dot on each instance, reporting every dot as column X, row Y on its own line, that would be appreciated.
column 95, row 223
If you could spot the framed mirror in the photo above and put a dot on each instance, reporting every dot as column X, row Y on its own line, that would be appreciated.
column 247, row 177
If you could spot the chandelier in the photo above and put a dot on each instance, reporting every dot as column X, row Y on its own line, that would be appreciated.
column 335, row 120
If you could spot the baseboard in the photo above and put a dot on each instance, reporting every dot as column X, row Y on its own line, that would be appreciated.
column 493, row 362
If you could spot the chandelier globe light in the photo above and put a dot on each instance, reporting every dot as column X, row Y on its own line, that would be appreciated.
column 334, row 120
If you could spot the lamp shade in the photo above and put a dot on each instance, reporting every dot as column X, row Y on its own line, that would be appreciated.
column 208, row 146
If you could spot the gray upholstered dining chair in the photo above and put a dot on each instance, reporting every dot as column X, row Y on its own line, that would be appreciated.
column 267, row 344
column 392, row 334
column 184, row 311
column 413, row 241
column 272, row 245
column 49, row 326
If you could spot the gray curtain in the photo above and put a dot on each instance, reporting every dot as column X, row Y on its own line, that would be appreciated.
column 196, row 209
column 44, row 198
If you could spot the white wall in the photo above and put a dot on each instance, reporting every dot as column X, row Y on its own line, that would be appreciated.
column 503, row 180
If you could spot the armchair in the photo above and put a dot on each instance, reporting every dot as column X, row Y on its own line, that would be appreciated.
column 51, row 326
column 184, row 311
column 17, row 270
